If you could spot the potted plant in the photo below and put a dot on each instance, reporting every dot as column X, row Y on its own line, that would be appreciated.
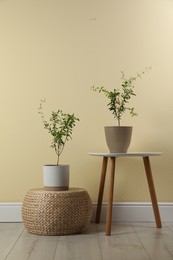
column 60, row 126
column 118, row 137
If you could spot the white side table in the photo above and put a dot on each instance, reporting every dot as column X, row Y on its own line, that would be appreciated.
column 112, row 157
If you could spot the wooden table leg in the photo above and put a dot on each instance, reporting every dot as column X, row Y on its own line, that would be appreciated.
column 101, row 189
column 110, row 199
column 152, row 191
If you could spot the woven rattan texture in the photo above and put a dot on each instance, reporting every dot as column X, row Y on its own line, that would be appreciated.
column 56, row 213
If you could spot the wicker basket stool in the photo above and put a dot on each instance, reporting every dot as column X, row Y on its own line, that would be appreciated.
column 56, row 212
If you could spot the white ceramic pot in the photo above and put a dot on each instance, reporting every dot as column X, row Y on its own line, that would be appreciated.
column 118, row 138
column 56, row 177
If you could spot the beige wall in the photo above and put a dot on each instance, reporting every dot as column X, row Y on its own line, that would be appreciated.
column 57, row 50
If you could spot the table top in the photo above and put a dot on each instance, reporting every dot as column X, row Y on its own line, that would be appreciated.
column 128, row 154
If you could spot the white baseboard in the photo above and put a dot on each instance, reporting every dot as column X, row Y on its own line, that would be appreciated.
column 10, row 212
column 122, row 211
column 137, row 211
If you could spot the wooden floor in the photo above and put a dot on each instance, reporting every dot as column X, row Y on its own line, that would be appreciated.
column 131, row 241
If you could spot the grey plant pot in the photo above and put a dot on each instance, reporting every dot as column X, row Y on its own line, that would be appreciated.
column 56, row 177
column 118, row 138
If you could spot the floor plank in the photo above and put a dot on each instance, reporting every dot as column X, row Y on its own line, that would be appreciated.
column 9, row 233
column 79, row 247
column 158, row 242
column 123, row 244
column 34, row 247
